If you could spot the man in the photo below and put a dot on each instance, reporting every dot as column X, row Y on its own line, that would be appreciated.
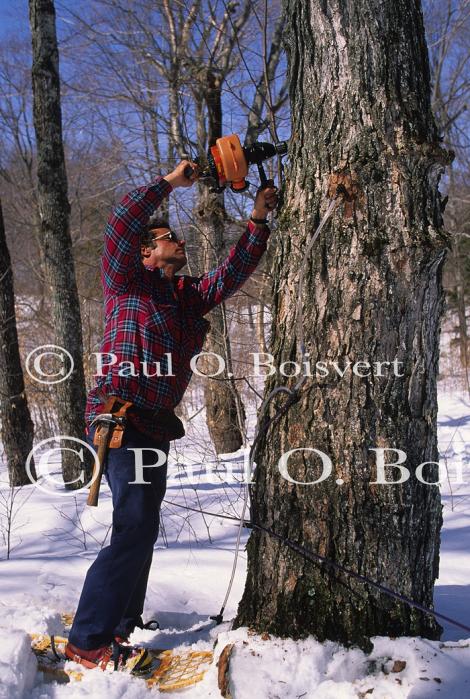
column 151, row 315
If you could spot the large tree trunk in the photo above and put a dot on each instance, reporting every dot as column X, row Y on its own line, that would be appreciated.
column 56, row 241
column 360, row 96
column 17, row 428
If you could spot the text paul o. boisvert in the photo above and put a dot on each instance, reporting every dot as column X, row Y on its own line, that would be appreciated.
column 263, row 365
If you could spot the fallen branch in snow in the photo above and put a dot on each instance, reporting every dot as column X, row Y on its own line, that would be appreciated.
column 223, row 666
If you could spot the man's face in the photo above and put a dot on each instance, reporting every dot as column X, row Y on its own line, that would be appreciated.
column 168, row 250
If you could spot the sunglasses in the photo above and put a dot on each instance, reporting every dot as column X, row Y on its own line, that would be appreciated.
column 171, row 235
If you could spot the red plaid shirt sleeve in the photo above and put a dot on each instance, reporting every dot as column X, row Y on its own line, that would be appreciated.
column 219, row 284
column 121, row 263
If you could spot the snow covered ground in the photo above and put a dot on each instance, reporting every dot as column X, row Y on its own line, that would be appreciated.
column 54, row 539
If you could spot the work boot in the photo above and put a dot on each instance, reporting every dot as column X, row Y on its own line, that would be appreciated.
column 115, row 656
column 123, row 638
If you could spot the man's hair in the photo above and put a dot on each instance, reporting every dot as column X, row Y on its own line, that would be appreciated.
column 147, row 235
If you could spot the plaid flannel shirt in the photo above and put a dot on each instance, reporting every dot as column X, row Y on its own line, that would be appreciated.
column 154, row 325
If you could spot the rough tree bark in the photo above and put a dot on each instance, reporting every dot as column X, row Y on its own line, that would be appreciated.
column 360, row 97
column 17, row 429
column 56, row 242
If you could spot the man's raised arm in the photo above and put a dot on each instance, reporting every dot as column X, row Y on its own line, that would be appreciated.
column 219, row 284
column 121, row 263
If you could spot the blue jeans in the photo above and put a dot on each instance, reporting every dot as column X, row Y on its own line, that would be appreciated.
column 113, row 594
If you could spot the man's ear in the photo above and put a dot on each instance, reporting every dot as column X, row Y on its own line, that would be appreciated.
column 145, row 251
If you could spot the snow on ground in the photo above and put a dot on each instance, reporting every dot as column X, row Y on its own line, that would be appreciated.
column 54, row 539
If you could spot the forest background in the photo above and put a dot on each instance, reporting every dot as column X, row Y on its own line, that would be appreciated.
column 143, row 83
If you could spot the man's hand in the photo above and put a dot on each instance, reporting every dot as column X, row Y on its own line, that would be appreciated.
column 177, row 178
column 266, row 201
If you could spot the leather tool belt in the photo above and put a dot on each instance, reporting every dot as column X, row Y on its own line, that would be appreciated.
column 111, row 421
column 108, row 434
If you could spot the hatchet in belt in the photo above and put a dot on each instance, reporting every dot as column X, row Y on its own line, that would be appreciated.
column 108, row 435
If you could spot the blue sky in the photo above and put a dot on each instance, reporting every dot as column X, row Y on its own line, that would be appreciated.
column 13, row 16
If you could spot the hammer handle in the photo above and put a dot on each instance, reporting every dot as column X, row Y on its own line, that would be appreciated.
column 94, row 493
